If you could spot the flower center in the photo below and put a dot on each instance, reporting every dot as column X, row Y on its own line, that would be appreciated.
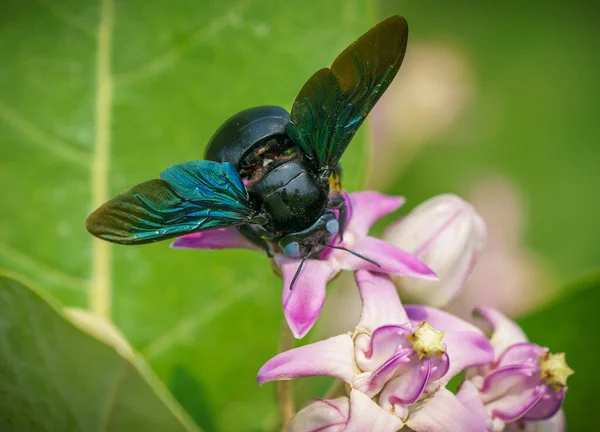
column 554, row 370
column 427, row 341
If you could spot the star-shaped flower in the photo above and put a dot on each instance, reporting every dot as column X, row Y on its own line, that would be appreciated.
column 395, row 364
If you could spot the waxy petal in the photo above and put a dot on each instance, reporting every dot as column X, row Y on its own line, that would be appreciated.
column 330, row 357
column 504, row 331
column 381, row 304
column 468, row 395
column 547, row 406
column 438, row 319
column 408, row 386
column 390, row 259
column 447, row 234
column 439, row 367
column 220, row 238
column 523, row 353
column 371, row 383
column 372, row 352
column 366, row 415
column 303, row 303
column 510, row 392
column 321, row 415
column 442, row 412
column 370, row 206
column 466, row 349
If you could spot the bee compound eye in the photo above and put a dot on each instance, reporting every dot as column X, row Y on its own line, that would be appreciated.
column 292, row 249
column 333, row 227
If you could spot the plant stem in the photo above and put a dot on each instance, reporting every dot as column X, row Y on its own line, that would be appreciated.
column 285, row 397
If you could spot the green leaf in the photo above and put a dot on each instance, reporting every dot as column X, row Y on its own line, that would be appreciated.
column 571, row 326
column 55, row 376
column 96, row 96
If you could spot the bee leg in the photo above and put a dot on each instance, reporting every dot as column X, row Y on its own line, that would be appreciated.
column 338, row 202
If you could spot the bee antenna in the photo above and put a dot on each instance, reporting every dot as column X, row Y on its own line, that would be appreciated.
column 356, row 254
column 298, row 271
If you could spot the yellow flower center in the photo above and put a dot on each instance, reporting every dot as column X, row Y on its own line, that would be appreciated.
column 427, row 341
column 554, row 370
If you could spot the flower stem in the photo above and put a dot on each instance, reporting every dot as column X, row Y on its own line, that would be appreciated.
column 285, row 397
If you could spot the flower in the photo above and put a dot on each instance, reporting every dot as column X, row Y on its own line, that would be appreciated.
column 396, row 364
column 447, row 234
column 302, row 304
column 523, row 389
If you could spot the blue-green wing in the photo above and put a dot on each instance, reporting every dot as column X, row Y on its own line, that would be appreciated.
column 335, row 101
column 189, row 197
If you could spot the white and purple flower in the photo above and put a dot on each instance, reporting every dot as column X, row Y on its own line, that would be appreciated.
column 448, row 235
column 302, row 304
column 395, row 364
column 523, row 388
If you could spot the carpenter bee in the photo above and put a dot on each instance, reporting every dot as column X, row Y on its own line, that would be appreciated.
column 272, row 174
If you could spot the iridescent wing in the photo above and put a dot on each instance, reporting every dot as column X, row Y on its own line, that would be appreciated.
column 335, row 101
column 189, row 197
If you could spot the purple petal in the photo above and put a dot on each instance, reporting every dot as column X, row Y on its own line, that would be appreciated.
column 381, row 304
column 220, row 238
column 554, row 424
column 438, row 319
column 442, row 412
column 372, row 352
column 366, row 415
column 321, row 415
column 330, row 357
column 439, row 367
column 547, row 406
column 368, row 207
column 408, row 386
column 371, row 383
column 303, row 303
column 466, row 349
column 510, row 392
column 390, row 259
column 468, row 395
column 523, row 353
column 504, row 331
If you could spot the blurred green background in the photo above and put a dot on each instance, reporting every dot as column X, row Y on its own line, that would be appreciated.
column 146, row 83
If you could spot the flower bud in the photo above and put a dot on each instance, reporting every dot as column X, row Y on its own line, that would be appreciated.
column 447, row 234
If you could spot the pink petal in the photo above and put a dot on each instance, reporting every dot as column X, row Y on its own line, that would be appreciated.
column 466, row 349
column 447, row 234
column 372, row 352
column 322, row 415
column 438, row 319
column 468, row 395
column 368, row 207
column 554, row 424
column 505, row 331
column 547, row 406
column 442, row 412
column 439, row 367
column 303, row 303
column 371, row 383
column 366, row 415
column 390, row 259
column 510, row 392
column 220, row 238
column 381, row 304
column 523, row 353
column 330, row 357
column 408, row 386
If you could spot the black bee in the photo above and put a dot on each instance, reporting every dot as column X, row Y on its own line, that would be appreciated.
column 273, row 175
